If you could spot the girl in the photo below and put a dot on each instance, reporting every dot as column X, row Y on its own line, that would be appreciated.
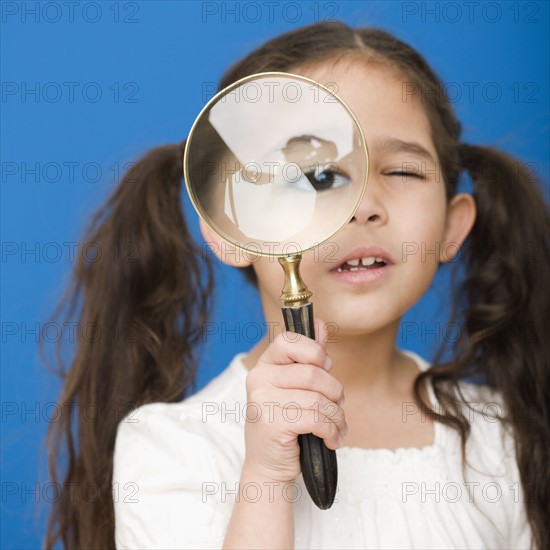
column 426, row 457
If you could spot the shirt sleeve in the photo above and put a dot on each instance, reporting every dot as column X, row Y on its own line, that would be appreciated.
column 164, row 467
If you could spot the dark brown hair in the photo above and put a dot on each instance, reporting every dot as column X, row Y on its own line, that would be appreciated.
column 502, row 303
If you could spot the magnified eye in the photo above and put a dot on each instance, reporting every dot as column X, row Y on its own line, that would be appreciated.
column 326, row 176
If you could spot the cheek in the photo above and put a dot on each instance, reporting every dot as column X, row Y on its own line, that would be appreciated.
column 422, row 243
column 422, row 229
column 270, row 274
column 421, row 222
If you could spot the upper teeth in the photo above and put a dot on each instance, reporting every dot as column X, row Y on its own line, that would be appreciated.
column 365, row 261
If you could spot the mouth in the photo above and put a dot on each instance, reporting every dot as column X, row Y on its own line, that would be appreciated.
column 364, row 265
column 358, row 264
column 364, row 258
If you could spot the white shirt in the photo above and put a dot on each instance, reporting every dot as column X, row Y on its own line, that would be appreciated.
column 177, row 469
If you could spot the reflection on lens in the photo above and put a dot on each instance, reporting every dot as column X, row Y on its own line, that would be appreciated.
column 315, row 156
column 245, row 202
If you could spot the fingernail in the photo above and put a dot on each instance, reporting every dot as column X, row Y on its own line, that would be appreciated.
column 328, row 363
column 340, row 440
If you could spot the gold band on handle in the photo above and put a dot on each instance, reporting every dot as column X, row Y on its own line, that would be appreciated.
column 295, row 292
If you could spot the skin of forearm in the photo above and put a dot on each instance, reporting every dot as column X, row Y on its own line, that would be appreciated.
column 264, row 521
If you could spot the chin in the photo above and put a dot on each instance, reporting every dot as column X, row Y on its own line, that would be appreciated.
column 357, row 325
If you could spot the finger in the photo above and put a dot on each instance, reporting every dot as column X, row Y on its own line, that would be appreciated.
column 305, row 377
column 327, row 431
column 321, row 332
column 321, row 337
column 327, row 410
column 289, row 347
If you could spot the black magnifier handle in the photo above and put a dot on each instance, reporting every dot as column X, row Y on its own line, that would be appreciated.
column 318, row 462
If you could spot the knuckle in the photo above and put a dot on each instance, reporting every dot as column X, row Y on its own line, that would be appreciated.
column 332, row 430
column 319, row 399
column 330, row 416
column 338, row 418
column 311, row 375
column 317, row 354
column 337, row 389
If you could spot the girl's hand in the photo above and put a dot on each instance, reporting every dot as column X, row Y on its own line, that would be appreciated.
column 292, row 388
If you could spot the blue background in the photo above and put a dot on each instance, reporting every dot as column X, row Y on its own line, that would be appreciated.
column 154, row 64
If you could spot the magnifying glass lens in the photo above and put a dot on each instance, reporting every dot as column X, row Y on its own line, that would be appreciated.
column 276, row 164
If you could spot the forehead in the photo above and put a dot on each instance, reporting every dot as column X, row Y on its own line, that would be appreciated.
column 379, row 97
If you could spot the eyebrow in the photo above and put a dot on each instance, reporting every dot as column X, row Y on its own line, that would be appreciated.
column 398, row 145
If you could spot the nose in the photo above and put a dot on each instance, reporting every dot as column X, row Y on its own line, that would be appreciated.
column 370, row 209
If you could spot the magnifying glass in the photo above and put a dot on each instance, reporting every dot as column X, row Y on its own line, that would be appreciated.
column 277, row 164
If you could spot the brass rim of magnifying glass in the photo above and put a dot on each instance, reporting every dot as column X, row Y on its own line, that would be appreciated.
column 207, row 107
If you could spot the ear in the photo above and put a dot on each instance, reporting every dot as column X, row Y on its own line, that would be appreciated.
column 461, row 215
column 223, row 250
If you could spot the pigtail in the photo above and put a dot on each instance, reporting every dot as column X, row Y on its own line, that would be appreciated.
column 141, row 303
column 507, row 291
